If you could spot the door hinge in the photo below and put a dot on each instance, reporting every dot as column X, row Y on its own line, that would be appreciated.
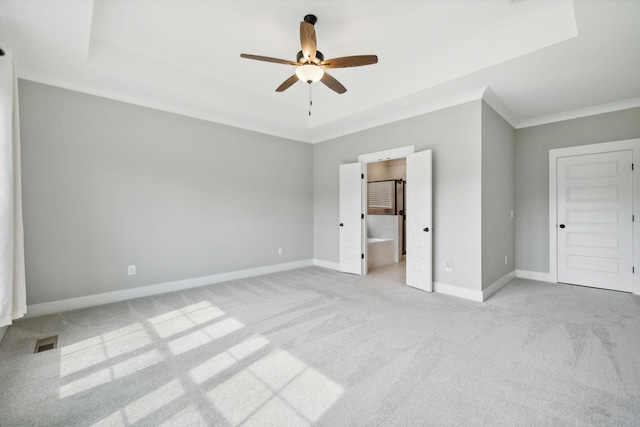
column 633, row 270
column 361, row 176
column 362, row 256
column 633, row 218
column 361, row 216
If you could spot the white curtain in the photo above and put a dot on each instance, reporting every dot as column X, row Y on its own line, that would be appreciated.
column 13, row 299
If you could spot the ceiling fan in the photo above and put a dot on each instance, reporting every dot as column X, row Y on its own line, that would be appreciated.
column 311, row 63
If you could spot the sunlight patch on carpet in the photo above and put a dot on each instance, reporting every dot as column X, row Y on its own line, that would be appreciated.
column 223, row 361
column 114, row 372
column 95, row 350
column 277, row 387
column 177, row 321
column 203, row 336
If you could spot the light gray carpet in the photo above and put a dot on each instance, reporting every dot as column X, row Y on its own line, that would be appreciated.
column 316, row 347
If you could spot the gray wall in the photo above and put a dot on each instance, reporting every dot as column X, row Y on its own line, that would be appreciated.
column 454, row 136
column 107, row 184
column 498, row 196
column 532, row 175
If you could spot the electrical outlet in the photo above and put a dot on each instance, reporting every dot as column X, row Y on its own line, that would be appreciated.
column 512, row 213
column 131, row 270
column 506, row 259
column 449, row 267
column 280, row 251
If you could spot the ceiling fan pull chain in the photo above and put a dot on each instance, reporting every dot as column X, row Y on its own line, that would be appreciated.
column 310, row 99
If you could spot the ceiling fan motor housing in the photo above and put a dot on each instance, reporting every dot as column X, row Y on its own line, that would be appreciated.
column 319, row 57
column 311, row 19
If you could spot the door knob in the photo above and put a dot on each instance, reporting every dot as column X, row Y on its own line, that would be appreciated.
column 561, row 225
column 341, row 225
column 426, row 229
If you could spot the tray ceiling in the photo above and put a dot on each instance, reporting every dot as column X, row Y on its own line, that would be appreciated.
column 539, row 58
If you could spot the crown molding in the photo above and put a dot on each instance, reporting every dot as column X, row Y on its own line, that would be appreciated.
column 494, row 102
column 310, row 136
column 580, row 113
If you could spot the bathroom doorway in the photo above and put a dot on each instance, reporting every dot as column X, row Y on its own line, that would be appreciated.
column 386, row 219
column 353, row 205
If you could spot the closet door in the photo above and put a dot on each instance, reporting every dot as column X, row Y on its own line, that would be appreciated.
column 594, row 214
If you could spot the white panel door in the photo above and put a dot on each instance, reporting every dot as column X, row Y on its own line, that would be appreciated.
column 418, row 208
column 351, row 222
column 594, row 220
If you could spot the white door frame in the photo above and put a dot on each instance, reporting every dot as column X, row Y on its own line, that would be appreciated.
column 628, row 144
column 381, row 156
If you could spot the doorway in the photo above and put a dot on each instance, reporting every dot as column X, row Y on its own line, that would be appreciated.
column 417, row 208
column 386, row 220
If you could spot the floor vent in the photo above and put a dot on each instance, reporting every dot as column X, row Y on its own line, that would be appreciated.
column 45, row 344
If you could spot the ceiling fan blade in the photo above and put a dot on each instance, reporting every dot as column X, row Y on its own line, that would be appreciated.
column 349, row 61
column 332, row 83
column 287, row 83
column 268, row 59
column 308, row 41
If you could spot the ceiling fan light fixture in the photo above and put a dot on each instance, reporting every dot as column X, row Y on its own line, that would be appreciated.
column 309, row 73
column 310, row 61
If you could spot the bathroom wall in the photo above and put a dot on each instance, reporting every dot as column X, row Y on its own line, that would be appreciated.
column 389, row 169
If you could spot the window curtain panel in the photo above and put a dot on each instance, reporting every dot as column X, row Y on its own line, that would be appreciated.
column 13, row 297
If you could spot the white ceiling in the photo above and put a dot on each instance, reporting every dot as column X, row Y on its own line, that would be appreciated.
column 535, row 61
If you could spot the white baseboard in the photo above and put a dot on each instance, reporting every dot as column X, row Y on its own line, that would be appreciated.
column 422, row 287
column 457, row 291
column 534, row 275
column 497, row 285
column 160, row 288
column 473, row 295
column 326, row 264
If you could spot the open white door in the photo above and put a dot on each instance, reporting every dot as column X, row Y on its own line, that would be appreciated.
column 352, row 235
column 595, row 228
column 418, row 208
